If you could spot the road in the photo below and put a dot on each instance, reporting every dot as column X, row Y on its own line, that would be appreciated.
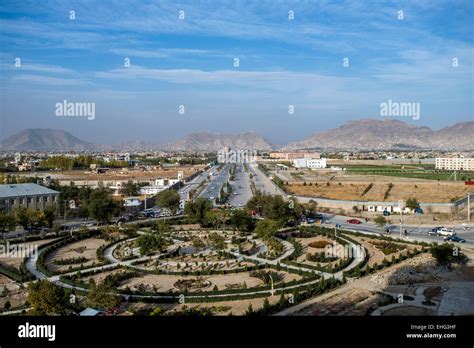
column 414, row 231
column 195, row 182
column 263, row 183
column 241, row 191
column 212, row 190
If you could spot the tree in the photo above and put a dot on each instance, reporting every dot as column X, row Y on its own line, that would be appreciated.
column 149, row 243
column 102, row 206
column 48, row 216
column 241, row 220
column 447, row 254
column 217, row 241
column 130, row 188
column 266, row 229
column 197, row 210
column 102, row 296
column 412, row 203
column 213, row 218
column 168, row 199
column 46, row 298
column 380, row 221
column 266, row 305
column 28, row 218
column 7, row 222
column 162, row 226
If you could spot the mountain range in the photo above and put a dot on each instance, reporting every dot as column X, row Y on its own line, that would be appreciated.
column 365, row 134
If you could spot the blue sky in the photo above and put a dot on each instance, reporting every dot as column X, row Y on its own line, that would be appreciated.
column 190, row 62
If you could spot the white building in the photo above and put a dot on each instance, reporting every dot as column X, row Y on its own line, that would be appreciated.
column 311, row 163
column 454, row 163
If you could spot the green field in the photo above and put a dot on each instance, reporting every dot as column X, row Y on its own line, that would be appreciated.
column 408, row 171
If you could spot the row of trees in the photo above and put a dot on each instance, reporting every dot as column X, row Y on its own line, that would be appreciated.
column 29, row 219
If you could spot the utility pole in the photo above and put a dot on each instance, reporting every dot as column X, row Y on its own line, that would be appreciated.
column 65, row 209
column 401, row 206
column 468, row 207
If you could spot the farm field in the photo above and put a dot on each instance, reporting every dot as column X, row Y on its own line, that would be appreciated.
column 424, row 191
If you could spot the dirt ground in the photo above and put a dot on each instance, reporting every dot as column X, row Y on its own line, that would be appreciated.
column 309, row 249
column 375, row 255
column 123, row 174
column 166, row 282
column 83, row 248
column 14, row 294
column 423, row 191
column 219, row 308
column 25, row 249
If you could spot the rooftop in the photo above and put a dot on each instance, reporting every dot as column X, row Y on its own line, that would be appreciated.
column 19, row 190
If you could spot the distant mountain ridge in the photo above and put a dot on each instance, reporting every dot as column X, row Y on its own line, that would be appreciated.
column 204, row 141
column 369, row 134
column 366, row 134
column 45, row 140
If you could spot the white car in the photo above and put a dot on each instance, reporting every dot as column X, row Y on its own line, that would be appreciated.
column 446, row 232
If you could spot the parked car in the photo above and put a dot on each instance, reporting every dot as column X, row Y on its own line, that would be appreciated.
column 354, row 221
column 455, row 239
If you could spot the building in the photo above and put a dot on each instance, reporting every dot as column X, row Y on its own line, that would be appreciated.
column 288, row 156
column 31, row 196
column 311, row 163
column 161, row 184
column 454, row 163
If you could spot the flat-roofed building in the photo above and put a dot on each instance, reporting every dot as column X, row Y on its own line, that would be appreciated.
column 288, row 156
column 454, row 163
column 311, row 163
column 31, row 196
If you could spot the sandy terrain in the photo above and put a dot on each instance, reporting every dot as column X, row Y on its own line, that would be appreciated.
column 25, row 249
column 13, row 294
column 423, row 191
column 123, row 174
column 83, row 248
column 166, row 282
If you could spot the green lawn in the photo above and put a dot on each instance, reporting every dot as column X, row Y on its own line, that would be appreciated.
column 409, row 171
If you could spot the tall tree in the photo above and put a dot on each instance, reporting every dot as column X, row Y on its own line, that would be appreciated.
column 168, row 199
column 46, row 298
column 102, row 206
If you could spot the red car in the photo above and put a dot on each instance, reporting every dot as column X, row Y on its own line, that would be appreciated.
column 354, row 221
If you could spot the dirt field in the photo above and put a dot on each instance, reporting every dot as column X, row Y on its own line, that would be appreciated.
column 13, row 294
column 123, row 174
column 83, row 248
column 375, row 254
column 309, row 249
column 220, row 308
column 166, row 282
column 24, row 251
column 423, row 191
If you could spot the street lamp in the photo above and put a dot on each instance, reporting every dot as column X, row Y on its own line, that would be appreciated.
column 401, row 205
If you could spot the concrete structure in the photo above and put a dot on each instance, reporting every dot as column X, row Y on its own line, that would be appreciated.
column 288, row 156
column 311, row 163
column 31, row 196
column 454, row 163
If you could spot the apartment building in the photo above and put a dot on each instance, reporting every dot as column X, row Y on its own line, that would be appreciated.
column 31, row 196
column 310, row 163
column 454, row 163
column 288, row 156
